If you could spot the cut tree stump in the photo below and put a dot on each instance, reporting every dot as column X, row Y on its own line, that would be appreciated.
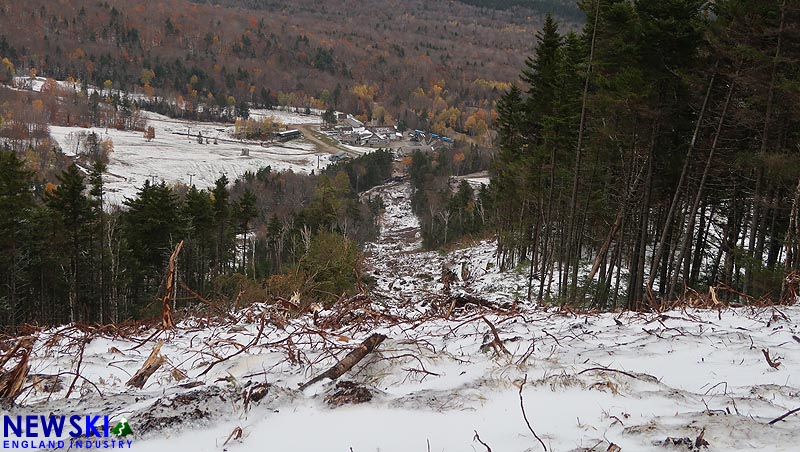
column 153, row 362
column 347, row 363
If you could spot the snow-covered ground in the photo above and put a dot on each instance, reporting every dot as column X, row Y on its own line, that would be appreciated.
column 441, row 376
column 404, row 271
column 286, row 117
column 175, row 157
column 632, row 380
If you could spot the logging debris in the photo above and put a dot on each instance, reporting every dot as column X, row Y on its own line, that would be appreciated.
column 347, row 363
column 348, row 392
column 153, row 362
column 11, row 381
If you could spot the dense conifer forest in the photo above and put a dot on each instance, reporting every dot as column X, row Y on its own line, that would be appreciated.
column 654, row 154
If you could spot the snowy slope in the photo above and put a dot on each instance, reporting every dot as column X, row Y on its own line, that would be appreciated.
column 404, row 271
column 173, row 157
column 590, row 380
column 674, row 374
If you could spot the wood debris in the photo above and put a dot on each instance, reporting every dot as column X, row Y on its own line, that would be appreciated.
column 11, row 382
column 166, row 313
column 347, row 363
column 774, row 363
column 153, row 362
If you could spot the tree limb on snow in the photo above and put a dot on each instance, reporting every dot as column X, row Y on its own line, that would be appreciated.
column 478, row 439
column 347, row 363
column 166, row 313
column 784, row 416
column 241, row 350
column 608, row 369
column 525, row 416
column 772, row 363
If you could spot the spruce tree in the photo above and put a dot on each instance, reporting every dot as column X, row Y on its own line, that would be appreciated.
column 73, row 211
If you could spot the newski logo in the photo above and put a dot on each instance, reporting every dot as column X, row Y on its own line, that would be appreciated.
column 58, row 432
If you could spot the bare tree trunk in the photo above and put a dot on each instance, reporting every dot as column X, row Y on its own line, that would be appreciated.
column 698, row 196
column 534, row 253
column 754, row 221
column 166, row 313
column 601, row 255
column 791, row 241
column 548, row 222
column 700, row 248
column 678, row 190
column 731, row 239
column 571, row 235
column 639, row 294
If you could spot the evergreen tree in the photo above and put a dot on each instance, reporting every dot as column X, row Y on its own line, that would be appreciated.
column 151, row 227
column 198, row 212
column 16, row 208
column 224, row 242
column 73, row 211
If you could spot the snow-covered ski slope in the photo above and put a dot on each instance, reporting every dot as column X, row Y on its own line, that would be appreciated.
column 176, row 156
column 441, row 376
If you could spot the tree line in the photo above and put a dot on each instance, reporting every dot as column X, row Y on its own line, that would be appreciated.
column 448, row 208
column 654, row 154
column 67, row 256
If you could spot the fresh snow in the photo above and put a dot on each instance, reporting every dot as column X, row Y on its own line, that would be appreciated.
column 632, row 379
column 675, row 374
column 286, row 117
column 175, row 157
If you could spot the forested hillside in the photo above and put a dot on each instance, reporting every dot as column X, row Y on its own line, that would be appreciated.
column 67, row 258
column 562, row 8
column 438, row 65
column 655, row 155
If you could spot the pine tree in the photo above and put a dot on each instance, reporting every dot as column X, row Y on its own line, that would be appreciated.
column 541, row 75
column 100, row 249
column 73, row 211
column 198, row 212
column 224, row 242
column 16, row 206
column 151, row 227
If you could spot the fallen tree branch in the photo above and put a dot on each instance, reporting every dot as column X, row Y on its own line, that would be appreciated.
column 11, row 382
column 772, row 363
column 784, row 416
column 236, row 434
column 608, row 369
column 525, row 416
column 350, row 360
column 246, row 347
column 77, row 367
column 478, row 439
column 153, row 362
column 199, row 298
column 151, row 337
column 497, row 344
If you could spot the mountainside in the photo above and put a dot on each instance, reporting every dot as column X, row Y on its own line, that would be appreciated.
column 406, row 60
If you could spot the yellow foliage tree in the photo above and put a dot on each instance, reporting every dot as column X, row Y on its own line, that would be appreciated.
column 6, row 70
column 146, row 76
